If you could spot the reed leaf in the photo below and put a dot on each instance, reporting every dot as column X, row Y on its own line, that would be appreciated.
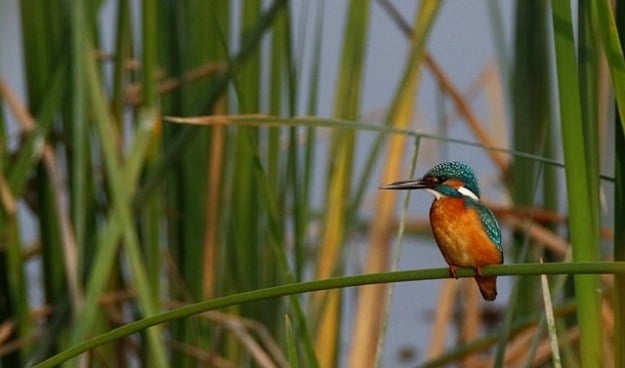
column 583, row 224
column 618, row 292
column 606, row 25
column 531, row 115
column 79, row 140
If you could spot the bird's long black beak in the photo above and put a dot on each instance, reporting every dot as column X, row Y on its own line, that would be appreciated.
column 407, row 184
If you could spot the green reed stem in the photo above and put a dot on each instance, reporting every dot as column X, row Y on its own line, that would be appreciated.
column 583, row 224
column 574, row 268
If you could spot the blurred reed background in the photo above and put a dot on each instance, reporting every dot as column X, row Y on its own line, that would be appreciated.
column 186, row 159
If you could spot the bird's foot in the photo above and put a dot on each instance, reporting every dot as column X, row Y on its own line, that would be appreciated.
column 453, row 271
column 478, row 272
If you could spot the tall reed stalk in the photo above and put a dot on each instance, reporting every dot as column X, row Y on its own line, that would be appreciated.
column 618, row 295
column 579, row 151
column 531, row 98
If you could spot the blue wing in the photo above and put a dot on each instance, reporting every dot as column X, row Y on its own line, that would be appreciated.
column 488, row 221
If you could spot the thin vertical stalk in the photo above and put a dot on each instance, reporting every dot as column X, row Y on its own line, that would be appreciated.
column 606, row 26
column 7, row 208
column 588, row 72
column 13, row 282
column 37, row 49
column 290, row 343
column 148, row 273
column 149, row 51
column 148, row 114
column 245, row 200
column 612, row 32
column 498, row 32
column 582, row 222
column 79, row 143
column 190, row 46
column 302, row 176
column 310, row 150
column 123, row 43
column 278, row 95
column 216, row 165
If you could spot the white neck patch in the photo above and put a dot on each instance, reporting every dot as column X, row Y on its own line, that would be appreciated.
column 463, row 190
column 467, row 192
column 436, row 194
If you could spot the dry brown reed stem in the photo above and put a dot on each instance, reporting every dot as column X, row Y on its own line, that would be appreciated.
column 541, row 235
column 471, row 318
column 134, row 94
column 252, row 334
column 6, row 197
column 607, row 313
column 19, row 344
column 203, row 357
column 200, row 355
column 537, row 214
column 538, row 233
column 372, row 305
column 496, row 96
column 174, row 276
column 256, row 352
column 117, row 297
column 6, row 330
column 27, row 125
column 543, row 353
column 465, row 110
column 517, row 347
column 213, row 206
column 528, row 220
column 443, row 317
column 372, row 299
column 416, row 226
column 489, row 81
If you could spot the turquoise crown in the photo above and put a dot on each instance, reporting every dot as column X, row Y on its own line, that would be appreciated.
column 456, row 170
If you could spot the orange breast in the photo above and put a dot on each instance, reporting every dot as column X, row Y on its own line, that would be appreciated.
column 460, row 234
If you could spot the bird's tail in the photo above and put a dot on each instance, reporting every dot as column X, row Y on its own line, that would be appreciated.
column 488, row 286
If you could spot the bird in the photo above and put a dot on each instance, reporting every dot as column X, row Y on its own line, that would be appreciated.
column 466, row 231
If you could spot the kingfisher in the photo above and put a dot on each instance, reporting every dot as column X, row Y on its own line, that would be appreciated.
column 465, row 230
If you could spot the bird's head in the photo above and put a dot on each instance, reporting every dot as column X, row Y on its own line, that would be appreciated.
column 452, row 179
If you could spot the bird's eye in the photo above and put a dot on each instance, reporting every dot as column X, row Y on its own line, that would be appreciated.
column 442, row 179
column 431, row 179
